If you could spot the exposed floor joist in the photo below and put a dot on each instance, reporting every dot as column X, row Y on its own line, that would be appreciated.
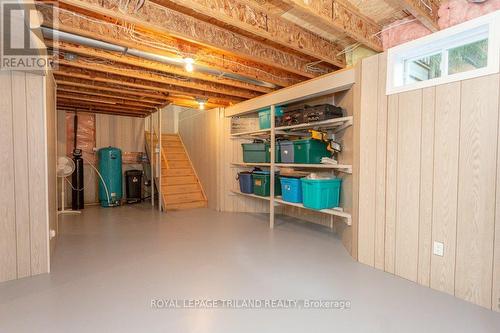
column 166, row 21
column 336, row 17
column 61, row 93
column 426, row 12
column 99, row 92
column 108, row 30
column 72, row 108
column 104, row 73
column 111, row 87
column 128, row 64
column 253, row 21
column 195, row 76
column 101, row 103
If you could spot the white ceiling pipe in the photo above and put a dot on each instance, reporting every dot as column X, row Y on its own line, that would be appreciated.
column 77, row 39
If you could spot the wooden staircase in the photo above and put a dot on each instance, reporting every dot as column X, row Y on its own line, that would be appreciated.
column 180, row 186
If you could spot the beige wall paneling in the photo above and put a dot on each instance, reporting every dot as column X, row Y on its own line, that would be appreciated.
column 426, row 185
column 391, row 183
column 37, row 169
column 408, row 184
column 199, row 133
column 8, row 261
column 22, row 180
column 495, row 299
column 368, row 160
column 381, row 158
column 476, row 191
column 444, row 210
column 51, row 121
column 126, row 133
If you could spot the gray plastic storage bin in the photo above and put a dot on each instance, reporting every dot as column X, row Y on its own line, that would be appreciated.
column 287, row 152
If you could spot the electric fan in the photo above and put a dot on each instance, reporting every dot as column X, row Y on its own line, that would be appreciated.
column 65, row 167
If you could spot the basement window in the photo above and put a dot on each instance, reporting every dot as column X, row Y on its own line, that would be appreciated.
column 465, row 51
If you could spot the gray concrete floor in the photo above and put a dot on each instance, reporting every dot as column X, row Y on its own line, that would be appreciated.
column 110, row 263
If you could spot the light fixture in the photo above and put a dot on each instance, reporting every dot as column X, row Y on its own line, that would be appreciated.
column 201, row 102
column 188, row 64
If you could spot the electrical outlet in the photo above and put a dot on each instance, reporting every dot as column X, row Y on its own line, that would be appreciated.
column 438, row 249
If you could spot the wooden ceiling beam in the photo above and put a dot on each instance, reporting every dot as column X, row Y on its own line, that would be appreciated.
column 134, row 38
column 71, row 108
column 425, row 12
column 148, row 74
column 256, row 22
column 102, row 99
column 110, row 74
column 115, row 88
column 65, row 101
column 163, row 20
column 195, row 77
column 100, row 93
column 336, row 17
column 77, row 73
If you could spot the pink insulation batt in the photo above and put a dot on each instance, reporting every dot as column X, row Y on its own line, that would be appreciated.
column 450, row 13
column 402, row 32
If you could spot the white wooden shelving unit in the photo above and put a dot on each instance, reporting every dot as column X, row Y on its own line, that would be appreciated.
column 327, row 85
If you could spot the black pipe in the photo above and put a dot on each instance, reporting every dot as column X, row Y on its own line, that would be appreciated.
column 77, row 194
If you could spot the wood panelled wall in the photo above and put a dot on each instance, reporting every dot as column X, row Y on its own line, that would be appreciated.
column 206, row 135
column 126, row 133
column 199, row 133
column 27, row 184
column 429, row 171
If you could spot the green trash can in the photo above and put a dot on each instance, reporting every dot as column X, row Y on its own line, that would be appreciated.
column 262, row 183
column 309, row 151
column 254, row 152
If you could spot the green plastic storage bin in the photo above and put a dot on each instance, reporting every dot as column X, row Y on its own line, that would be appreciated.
column 321, row 193
column 265, row 116
column 277, row 158
column 254, row 152
column 262, row 183
column 309, row 151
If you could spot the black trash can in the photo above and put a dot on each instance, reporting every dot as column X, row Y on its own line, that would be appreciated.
column 133, row 185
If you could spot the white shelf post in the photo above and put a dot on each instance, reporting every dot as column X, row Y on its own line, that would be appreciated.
column 273, row 167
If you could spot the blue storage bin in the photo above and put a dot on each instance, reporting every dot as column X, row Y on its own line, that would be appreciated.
column 321, row 193
column 246, row 183
column 265, row 116
column 291, row 189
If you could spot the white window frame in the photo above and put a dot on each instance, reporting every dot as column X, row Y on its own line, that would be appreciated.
column 484, row 26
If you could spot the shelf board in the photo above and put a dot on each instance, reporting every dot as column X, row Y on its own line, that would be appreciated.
column 251, row 164
column 341, row 167
column 251, row 195
column 334, row 212
column 325, row 124
column 252, row 133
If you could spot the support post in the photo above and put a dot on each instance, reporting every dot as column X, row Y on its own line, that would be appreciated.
column 159, row 159
column 273, row 160
column 152, row 159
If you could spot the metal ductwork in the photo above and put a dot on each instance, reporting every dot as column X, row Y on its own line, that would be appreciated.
column 80, row 40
